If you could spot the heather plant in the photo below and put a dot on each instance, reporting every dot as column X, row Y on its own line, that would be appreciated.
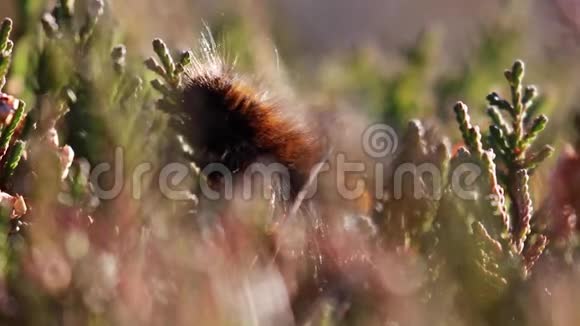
column 7, row 46
column 172, row 74
column 79, row 80
column 12, row 147
column 501, row 248
column 14, row 117
column 408, row 215
column 515, row 162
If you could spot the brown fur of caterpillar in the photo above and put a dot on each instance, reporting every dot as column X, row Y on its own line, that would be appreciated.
column 232, row 123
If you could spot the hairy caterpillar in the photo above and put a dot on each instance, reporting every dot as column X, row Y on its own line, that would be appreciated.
column 230, row 122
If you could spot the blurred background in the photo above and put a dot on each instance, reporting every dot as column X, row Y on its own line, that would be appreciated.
column 320, row 28
column 330, row 45
column 354, row 50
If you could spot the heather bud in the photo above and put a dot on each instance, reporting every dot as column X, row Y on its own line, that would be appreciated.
column 518, row 71
column 530, row 94
column 5, row 30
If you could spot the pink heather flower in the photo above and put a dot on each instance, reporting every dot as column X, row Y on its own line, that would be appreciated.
column 8, row 104
column 52, row 137
column 66, row 157
column 65, row 153
column 14, row 204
